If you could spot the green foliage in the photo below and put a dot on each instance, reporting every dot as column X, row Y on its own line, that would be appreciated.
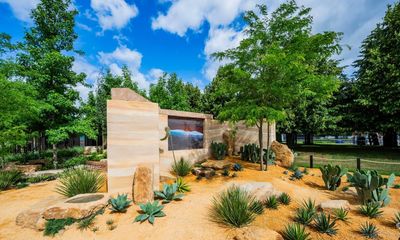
column 396, row 186
column 9, row 178
column 297, row 175
column 396, row 219
column 168, row 193
column 233, row 207
column 78, row 181
column 371, row 210
column 272, row 202
column 182, row 186
column 75, row 161
column 284, row 199
column 218, row 150
column 21, row 185
column 341, row 214
column 150, row 211
column 324, row 224
column 41, row 178
column 332, row 176
column 53, row 226
column 371, row 187
column 237, row 167
column 295, row 232
column 369, row 230
column 250, row 152
column 345, row 188
column 257, row 207
column 225, row 172
column 306, row 212
column 86, row 223
column 120, row 203
column 182, row 167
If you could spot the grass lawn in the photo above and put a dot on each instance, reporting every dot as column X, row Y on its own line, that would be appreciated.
column 385, row 160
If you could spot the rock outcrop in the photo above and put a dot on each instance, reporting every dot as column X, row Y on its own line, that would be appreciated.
column 203, row 172
column 283, row 155
column 142, row 189
column 332, row 205
column 216, row 164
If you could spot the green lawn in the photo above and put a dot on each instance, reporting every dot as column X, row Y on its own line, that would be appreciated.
column 382, row 159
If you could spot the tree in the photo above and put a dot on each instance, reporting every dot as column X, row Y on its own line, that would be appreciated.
column 378, row 76
column 128, row 82
column 275, row 65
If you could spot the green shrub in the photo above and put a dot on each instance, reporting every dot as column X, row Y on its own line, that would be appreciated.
column 324, row 224
column 225, row 172
column 369, row 230
column 295, row 232
column 371, row 210
column 79, row 180
column 232, row 207
column 181, row 167
column 396, row 186
column 120, row 203
column 182, row 185
column 396, row 219
column 250, row 152
column 306, row 212
column 168, row 193
column 332, row 176
column 284, row 199
column 86, row 222
column 272, row 202
column 9, row 178
column 53, row 226
column 218, row 150
column 75, row 161
column 41, row 178
column 257, row 207
column 21, row 185
column 341, row 214
column 150, row 211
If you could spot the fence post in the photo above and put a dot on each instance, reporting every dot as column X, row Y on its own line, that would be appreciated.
column 359, row 163
column 311, row 161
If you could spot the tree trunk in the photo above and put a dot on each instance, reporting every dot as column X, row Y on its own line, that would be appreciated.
column 55, row 160
column 291, row 139
column 260, row 141
column 268, row 144
column 308, row 139
column 390, row 138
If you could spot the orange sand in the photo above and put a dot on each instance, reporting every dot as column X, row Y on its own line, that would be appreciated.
column 188, row 219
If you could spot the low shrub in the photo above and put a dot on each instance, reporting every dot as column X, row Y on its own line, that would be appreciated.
column 182, row 167
column 295, row 232
column 396, row 186
column 168, row 193
column 150, row 211
column 233, row 207
column 369, row 230
column 371, row 210
column 225, row 172
column 257, row 207
column 120, row 203
column 53, row 226
column 332, row 176
column 324, row 224
column 9, row 178
column 41, row 178
column 21, row 185
column 75, row 161
column 284, row 199
column 79, row 180
column 272, row 202
column 341, row 214
column 182, row 185
column 219, row 150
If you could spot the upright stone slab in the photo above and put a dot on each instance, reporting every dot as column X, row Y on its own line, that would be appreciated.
column 142, row 189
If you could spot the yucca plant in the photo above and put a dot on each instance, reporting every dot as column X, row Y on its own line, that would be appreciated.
column 341, row 214
column 369, row 230
column 233, row 207
column 120, row 203
column 182, row 167
column 309, row 205
column 396, row 219
column 9, row 178
column 325, row 224
column 295, row 232
column 371, row 210
column 168, row 193
column 150, row 211
column 284, row 199
column 272, row 202
column 79, row 180
column 182, row 185
column 305, row 214
column 257, row 207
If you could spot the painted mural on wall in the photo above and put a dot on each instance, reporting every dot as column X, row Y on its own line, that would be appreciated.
column 186, row 133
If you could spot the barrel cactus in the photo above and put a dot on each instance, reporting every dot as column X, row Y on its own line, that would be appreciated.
column 332, row 176
column 219, row 150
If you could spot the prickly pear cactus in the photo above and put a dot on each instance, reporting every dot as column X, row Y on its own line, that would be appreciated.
column 219, row 150
column 332, row 176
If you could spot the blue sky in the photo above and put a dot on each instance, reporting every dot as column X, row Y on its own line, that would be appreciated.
column 157, row 36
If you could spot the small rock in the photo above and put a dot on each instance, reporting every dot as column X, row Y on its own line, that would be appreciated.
column 255, row 233
column 203, row 172
column 216, row 164
column 332, row 205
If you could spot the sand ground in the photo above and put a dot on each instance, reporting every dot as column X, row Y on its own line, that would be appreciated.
column 188, row 219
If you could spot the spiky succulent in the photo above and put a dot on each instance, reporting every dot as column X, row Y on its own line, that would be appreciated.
column 168, row 193
column 341, row 214
column 150, row 211
column 284, row 199
column 305, row 214
column 297, row 175
column 237, row 167
column 369, row 230
column 272, row 202
column 396, row 220
column 325, row 224
column 257, row 207
column 371, row 210
column 120, row 203
column 182, row 185
column 295, row 232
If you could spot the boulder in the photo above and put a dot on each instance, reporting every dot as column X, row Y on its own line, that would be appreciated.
column 77, row 207
column 203, row 172
column 87, row 150
column 216, row 164
column 25, row 168
column 255, row 233
column 260, row 190
column 142, row 189
column 331, row 205
column 283, row 155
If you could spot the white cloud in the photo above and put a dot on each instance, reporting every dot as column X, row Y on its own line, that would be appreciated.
column 154, row 74
column 21, row 8
column 81, row 65
column 83, row 26
column 113, row 14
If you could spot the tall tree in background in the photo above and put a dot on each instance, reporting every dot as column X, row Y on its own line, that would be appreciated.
column 275, row 65
column 46, row 63
column 378, row 77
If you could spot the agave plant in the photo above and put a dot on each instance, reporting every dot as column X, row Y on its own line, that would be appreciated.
column 305, row 214
column 284, row 199
column 182, row 185
column 120, row 203
column 341, row 214
column 324, row 224
column 150, row 211
column 237, row 167
column 396, row 219
column 297, row 175
column 182, row 167
column 371, row 210
column 272, row 202
column 295, row 232
column 168, row 193
column 332, row 176
column 369, row 230
column 257, row 207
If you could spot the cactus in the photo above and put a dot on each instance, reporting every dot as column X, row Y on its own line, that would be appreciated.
column 218, row 150
column 332, row 176
column 371, row 187
column 120, row 203
column 250, row 152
